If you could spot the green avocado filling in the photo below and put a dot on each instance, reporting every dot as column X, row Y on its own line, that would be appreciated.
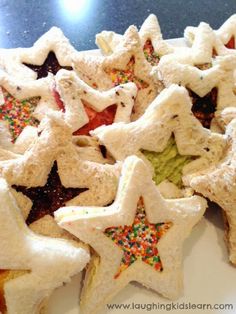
column 168, row 164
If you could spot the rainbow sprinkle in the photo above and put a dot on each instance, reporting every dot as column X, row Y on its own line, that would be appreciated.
column 139, row 241
column 124, row 76
column 149, row 53
column 17, row 113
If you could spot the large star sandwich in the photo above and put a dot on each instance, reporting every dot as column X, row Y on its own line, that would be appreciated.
column 218, row 184
column 32, row 266
column 137, row 238
column 168, row 137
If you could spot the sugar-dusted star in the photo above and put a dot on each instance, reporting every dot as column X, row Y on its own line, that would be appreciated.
column 170, row 113
column 154, row 46
column 126, row 64
column 137, row 238
column 32, row 266
column 51, row 52
column 207, row 77
column 221, row 40
column 89, row 108
column 218, row 184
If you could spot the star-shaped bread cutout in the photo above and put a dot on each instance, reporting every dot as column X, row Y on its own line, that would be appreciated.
column 48, row 198
column 49, row 53
column 195, row 69
column 33, row 173
column 218, row 184
column 40, row 264
column 138, row 241
column 22, row 104
column 88, row 108
column 50, row 65
column 169, row 114
column 154, row 46
column 90, row 224
column 221, row 40
column 127, row 63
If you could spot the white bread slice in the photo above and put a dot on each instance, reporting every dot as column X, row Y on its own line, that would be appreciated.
column 90, row 223
column 49, row 262
column 218, row 184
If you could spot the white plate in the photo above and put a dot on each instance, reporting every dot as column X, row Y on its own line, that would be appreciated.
column 209, row 280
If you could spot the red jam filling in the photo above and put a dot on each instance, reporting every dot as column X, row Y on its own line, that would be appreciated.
column 149, row 53
column 204, row 107
column 48, row 198
column 96, row 119
column 50, row 64
column 231, row 43
column 138, row 241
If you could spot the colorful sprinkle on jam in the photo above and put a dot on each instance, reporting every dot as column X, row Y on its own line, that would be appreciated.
column 18, row 113
column 204, row 107
column 50, row 64
column 124, row 76
column 48, row 198
column 149, row 53
column 139, row 241
column 231, row 43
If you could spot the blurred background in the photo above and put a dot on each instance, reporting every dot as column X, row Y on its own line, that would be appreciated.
column 23, row 21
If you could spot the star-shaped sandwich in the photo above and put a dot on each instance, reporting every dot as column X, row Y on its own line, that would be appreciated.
column 209, row 79
column 50, row 53
column 137, row 238
column 88, row 108
column 31, row 266
column 168, row 137
column 154, row 46
column 22, row 106
column 218, row 184
column 54, row 172
column 126, row 64
column 221, row 40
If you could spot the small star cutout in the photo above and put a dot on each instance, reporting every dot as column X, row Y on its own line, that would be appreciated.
column 48, row 198
column 204, row 107
column 139, row 241
column 50, row 64
column 96, row 119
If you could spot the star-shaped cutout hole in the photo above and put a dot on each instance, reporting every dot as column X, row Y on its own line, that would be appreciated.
column 50, row 64
column 168, row 164
column 149, row 53
column 96, row 119
column 139, row 241
column 17, row 113
column 124, row 76
column 48, row 198
column 204, row 107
